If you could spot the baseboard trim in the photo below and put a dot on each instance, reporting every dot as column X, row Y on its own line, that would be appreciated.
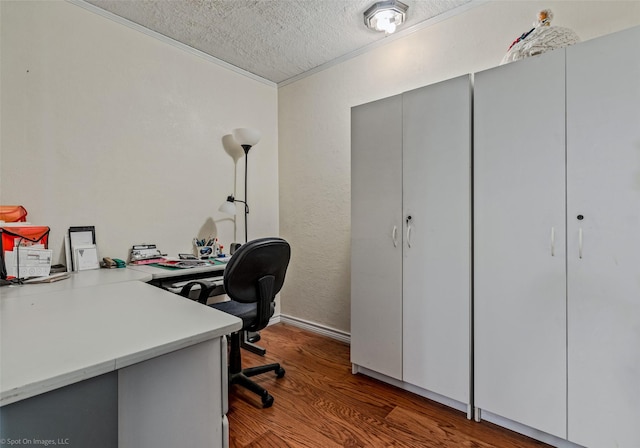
column 450, row 402
column 313, row 327
column 524, row 430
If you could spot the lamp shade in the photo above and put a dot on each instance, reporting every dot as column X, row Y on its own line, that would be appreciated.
column 232, row 147
column 228, row 206
column 246, row 136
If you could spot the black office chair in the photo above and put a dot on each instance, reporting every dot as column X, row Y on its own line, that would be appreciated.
column 252, row 278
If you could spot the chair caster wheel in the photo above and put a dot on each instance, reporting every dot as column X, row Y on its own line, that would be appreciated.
column 267, row 401
column 253, row 337
column 280, row 372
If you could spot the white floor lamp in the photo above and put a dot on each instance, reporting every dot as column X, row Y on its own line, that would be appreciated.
column 246, row 138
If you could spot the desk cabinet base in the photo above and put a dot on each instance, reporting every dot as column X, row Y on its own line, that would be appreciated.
column 174, row 400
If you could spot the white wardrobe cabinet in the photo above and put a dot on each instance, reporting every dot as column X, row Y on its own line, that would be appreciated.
column 557, row 242
column 411, row 230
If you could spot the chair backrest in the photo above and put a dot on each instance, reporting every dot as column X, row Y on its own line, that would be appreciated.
column 256, row 273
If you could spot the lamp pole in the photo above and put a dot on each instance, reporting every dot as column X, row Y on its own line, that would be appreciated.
column 246, row 138
column 246, row 194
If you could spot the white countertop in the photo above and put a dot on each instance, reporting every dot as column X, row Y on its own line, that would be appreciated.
column 62, row 336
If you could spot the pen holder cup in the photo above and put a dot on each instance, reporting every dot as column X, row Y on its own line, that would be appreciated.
column 204, row 251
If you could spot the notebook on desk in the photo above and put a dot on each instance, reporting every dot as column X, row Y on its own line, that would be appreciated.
column 49, row 278
column 183, row 264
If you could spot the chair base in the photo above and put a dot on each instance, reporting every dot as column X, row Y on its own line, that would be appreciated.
column 242, row 379
column 248, row 340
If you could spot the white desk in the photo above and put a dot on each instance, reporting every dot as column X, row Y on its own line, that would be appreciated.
column 168, row 356
column 168, row 278
column 82, row 279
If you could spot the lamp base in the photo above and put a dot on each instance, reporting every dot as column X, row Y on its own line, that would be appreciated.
column 234, row 247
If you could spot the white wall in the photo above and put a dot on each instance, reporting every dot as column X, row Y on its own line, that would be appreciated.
column 314, row 131
column 103, row 125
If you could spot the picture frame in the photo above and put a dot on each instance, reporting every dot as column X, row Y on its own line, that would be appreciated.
column 81, row 237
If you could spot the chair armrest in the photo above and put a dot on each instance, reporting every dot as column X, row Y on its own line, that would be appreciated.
column 205, row 290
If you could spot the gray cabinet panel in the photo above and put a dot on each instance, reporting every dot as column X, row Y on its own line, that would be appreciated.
column 603, row 187
column 376, row 236
column 519, row 247
column 437, row 255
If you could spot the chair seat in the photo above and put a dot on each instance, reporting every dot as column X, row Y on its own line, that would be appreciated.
column 245, row 311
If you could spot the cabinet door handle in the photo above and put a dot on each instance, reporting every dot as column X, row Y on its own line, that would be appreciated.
column 580, row 242
column 553, row 241
column 394, row 236
column 408, row 221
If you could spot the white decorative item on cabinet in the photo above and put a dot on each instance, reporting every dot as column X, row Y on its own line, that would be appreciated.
column 411, row 230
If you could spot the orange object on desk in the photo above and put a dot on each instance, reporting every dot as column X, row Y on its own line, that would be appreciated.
column 13, row 213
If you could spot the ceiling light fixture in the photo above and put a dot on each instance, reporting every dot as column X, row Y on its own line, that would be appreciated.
column 385, row 16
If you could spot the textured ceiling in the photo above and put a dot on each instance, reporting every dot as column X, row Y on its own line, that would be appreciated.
column 274, row 39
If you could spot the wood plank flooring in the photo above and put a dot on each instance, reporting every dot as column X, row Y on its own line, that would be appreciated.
column 320, row 404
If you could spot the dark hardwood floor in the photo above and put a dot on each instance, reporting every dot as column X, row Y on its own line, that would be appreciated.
column 321, row 404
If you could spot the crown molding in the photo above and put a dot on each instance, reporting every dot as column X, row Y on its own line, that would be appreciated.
column 170, row 41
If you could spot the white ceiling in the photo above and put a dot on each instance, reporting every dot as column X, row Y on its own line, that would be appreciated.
column 274, row 39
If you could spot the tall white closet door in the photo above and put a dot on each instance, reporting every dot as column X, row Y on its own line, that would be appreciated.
column 376, row 236
column 437, row 235
column 603, row 179
column 519, row 245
